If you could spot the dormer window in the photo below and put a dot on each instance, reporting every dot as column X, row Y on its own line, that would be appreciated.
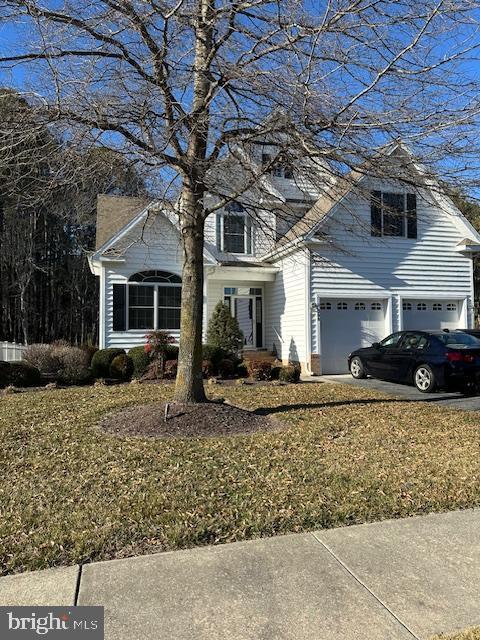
column 280, row 168
column 234, row 230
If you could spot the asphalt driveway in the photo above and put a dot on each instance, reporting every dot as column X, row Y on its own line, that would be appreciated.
column 456, row 400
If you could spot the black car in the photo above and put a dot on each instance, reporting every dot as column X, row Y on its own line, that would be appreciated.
column 428, row 359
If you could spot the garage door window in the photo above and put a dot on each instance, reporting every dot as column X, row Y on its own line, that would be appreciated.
column 342, row 306
column 325, row 306
column 451, row 306
column 376, row 306
column 421, row 306
column 360, row 306
column 437, row 307
column 407, row 306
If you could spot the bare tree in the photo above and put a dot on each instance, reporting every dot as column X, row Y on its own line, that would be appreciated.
column 184, row 86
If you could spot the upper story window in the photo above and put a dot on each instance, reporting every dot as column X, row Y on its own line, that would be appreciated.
column 234, row 230
column 393, row 214
column 280, row 168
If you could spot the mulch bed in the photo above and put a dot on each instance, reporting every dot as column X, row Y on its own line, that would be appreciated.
column 186, row 421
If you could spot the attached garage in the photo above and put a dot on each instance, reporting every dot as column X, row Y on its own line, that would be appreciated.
column 421, row 314
column 347, row 324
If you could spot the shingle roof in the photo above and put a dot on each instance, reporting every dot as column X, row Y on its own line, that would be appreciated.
column 113, row 213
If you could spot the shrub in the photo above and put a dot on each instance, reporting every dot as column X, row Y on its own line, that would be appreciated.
column 275, row 373
column 121, row 367
column 171, row 369
column 207, row 368
column 140, row 360
column 23, row 374
column 226, row 368
column 73, row 365
column 171, row 352
column 90, row 350
column 259, row 369
column 44, row 357
column 4, row 374
column 213, row 354
column 223, row 330
column 102, row 359
column 291, row 373
column 242, row 370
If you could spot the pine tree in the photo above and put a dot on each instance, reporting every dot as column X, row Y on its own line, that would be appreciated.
column 223, row 330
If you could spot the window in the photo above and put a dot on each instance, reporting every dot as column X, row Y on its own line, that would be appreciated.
column 154, row 304
column 413, row 341
column 280, row 168
column 437, row 306
column 407, row 306
column 391, row 341
column 376, row 306
column 234, row 230
column 451, row 306
column 325, row 306
column 421, row 306
column 342, row 306
column 242, row 291
column 393, row 214
column 360, row 306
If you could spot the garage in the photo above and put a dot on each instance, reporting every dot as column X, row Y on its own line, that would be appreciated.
column 423, row 314
column 347, row 324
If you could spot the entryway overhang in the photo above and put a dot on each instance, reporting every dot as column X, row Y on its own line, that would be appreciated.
column 252, row 273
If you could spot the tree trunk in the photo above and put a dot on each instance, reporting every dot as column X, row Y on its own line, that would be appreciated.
column 189, row 385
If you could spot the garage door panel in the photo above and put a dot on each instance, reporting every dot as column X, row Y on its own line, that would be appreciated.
column 427, row 315
column 346, row 325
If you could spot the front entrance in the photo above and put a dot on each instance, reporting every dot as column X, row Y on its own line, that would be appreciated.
column 246, row 306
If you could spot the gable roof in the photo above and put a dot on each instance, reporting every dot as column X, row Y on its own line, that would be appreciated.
column 113, row 213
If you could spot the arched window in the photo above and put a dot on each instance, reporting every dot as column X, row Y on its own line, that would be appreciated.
column 154, row 300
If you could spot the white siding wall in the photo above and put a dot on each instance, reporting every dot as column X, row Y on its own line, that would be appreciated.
column 157, row 248
column 357, row 262
column 286, row 305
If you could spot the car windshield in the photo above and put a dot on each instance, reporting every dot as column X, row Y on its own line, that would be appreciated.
column 458, row 340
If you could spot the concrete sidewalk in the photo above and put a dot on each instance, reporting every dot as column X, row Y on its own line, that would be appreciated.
column 398, row 579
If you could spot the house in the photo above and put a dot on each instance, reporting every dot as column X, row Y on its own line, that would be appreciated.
column 359, row 258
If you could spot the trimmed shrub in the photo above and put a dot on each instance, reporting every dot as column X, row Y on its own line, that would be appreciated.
column 275, row 373
column 121, row 367
column 73, row 365
column 290, row 373
column 223, row 330
column 259, row 369
column 140, row 360
column 241, row 370
column 4, row 374
column 23, row 374
column 214, row 354
column 226, row 368
column 102, row 360
column 171, row 369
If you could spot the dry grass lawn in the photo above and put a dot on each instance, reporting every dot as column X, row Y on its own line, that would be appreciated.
column 70, row 493
column 469, row 634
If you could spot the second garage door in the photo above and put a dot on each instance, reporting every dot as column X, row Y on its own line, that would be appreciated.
column 347, row 324
column 430, row 314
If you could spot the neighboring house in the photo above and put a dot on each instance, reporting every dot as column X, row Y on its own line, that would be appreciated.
column 364, row 259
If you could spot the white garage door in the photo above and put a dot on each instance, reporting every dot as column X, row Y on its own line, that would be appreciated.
column 347, row 324
column 430, row 314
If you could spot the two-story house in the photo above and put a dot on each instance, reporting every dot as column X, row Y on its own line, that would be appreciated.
column 359, row 258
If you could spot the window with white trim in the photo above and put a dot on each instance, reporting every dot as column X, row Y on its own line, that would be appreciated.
column 154, row 301
column 234, row 230
column 393, row 214
column 325, row 306
column 437, row 306
column 407, row 306
column 376, row 306
column 452, row 306
column 342, row 306
column 360, row 306
column 421, row 306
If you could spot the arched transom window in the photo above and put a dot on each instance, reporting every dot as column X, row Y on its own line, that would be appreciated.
column 154, row 300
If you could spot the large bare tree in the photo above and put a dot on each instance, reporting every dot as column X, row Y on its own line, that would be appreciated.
column 177, row 85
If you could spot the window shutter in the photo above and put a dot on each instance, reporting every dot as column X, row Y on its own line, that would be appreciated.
column 376, row 213
column 119, row 307
column 218, row 223
column 411, row 215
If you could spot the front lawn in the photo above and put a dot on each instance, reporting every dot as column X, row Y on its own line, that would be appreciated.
column 70, row 493
column 469, row 634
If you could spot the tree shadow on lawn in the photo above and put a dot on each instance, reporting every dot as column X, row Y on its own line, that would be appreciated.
column 265, row 411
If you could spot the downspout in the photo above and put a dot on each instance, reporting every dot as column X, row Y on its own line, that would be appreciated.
column 308, row 313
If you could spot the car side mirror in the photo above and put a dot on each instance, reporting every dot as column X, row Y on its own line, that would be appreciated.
column 376, row 345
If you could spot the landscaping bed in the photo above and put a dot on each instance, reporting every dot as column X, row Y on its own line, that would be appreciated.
column 71, row 493
column 174, row 420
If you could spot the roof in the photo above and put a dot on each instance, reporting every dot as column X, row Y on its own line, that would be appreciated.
column 113, row 213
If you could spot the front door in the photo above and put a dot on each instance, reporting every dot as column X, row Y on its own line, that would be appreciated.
column 244, row 312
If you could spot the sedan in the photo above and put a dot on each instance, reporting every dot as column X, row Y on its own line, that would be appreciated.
column 428, row 359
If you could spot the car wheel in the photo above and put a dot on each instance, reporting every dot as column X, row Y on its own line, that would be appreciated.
column 356, row 368
column 424, row 379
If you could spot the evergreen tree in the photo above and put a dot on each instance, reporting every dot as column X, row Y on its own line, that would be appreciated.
column 223, row 330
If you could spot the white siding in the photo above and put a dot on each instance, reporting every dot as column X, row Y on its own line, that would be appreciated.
column 157, row 246
column 287, row 312
column 355, row 262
